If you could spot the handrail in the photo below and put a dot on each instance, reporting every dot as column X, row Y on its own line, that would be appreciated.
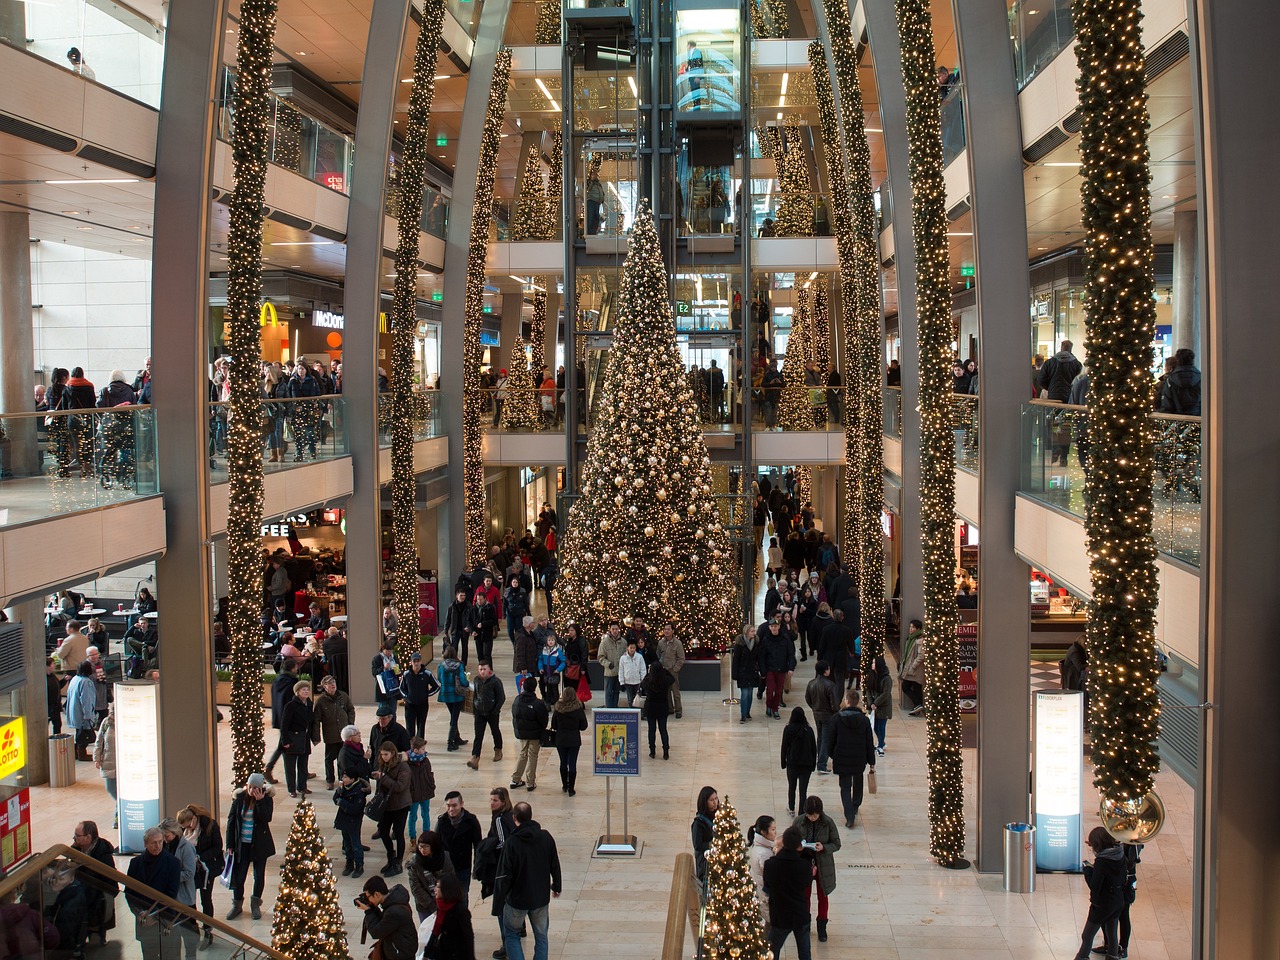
column 72, row 411
column 322, row 396
column 684, row 905
column 60, row 851
column 1076, row 408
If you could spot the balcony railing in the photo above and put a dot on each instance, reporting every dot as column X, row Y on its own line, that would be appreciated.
column 953, row 140
column 964, row 423
column 1039, row 30
column 892, row 399
column 424, row 414
column 1055, row 465
column 295, row 430
column 65, row 461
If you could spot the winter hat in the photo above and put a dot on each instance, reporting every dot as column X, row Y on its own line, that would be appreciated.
column 386, row 709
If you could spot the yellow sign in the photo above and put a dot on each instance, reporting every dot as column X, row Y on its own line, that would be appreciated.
column 268, row 313
column 13, row 748
column 382, row 323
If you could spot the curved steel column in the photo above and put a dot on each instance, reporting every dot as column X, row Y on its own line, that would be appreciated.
column 387, row 28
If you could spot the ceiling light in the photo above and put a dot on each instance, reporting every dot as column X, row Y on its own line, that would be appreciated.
column 873, row 130
column 301, row 53
column 84, row 226
column 104, row 180
column 958, row 233
column 547, row 93
column 70, row 213
column 442, row 76
column 407, row 80
column 1061, row 163
column 1042, row 248
column 779, row 116
column 301, row 243
column 1032, row 13
column 1169, row 196
column 631, row 82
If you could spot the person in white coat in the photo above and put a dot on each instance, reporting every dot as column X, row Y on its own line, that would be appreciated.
column 762, row 843
column 631, row 671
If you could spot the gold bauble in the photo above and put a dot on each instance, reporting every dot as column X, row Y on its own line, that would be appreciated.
column 1133, row 821
column 661, row 494
column 648, row 531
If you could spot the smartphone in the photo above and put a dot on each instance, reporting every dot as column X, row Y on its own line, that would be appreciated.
column 808, row 845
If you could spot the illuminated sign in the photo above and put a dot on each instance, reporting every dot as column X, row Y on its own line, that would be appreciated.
column 268, row 315
column 13, row 748
column 488, row 338
column 330, row 321
column 437, row 295
column 137, row 761
column 1059, row 780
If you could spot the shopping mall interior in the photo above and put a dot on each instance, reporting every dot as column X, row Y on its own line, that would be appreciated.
column 490, row 366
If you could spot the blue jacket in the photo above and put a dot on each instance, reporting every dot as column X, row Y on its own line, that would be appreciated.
column 82, row 703
column 550, row 664
column 452, row 681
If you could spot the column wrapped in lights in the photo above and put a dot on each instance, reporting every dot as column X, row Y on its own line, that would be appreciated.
column 795, row 197
column 937, row 441
column 249, row 139
column 547, row 32
column 1119, row 306
column 552, row 201
column 404, row 323
column 820, row 326
column 473, row 494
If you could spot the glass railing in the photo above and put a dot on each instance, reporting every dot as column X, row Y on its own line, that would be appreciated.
column 892, row 411
column 953, row 123
column 1055, row 457
column 117, row 46
column 435, row 209
column 69, row 460
column 424, row 414
column 1040, row 30
column 296, row 142
column 964, row 423
column 519, row 409
column 765, row 209
column 295, row 430
column 503, row 213
column 59, row 900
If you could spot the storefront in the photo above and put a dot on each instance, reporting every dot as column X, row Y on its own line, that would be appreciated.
column 316, row 543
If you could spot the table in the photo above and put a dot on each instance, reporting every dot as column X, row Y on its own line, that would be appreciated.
column 153, row 615
column 340, row 618
column 91, row 612
column 125, row 613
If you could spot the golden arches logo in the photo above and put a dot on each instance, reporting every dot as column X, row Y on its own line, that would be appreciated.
column 268, row 312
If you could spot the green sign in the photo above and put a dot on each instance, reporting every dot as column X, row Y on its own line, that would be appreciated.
column 441, row 140
column 966, row 270
column 437, row 295
column 683, row 308
column 488, row 308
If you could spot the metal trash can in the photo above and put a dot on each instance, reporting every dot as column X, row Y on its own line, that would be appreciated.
column 62, row 760
column 1019, row 858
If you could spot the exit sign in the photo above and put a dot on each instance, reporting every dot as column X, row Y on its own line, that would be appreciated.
column 488, row 308
column 441, row 140
column 437, row 295
column 966, row 270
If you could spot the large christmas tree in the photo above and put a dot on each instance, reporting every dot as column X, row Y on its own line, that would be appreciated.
column 307, row 922
column 520, row 409
column 734, row 928
column 645, row 536
column 795, row 196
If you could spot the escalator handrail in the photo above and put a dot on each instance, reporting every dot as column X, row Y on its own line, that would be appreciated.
column 23, row 873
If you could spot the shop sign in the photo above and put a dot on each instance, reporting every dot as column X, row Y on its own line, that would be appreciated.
column 334, row 181
column 327, row 320
column 284, row 526
column 13, row 748
column 137, row 761
column 15, row 829
column 427, row 609
column 615, row 739
column 967, row 638
column 268, row 315
column 1058, row 781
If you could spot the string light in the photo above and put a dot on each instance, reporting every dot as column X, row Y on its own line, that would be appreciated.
column 820, row 337
column 404, row 317
column 937, row 440
column 1119, row 305
column 249, row 140
column 645, row 536
column 473, row 493
column 547, row 32
column 794, row 411
column 520, row 408
column 307, row 923
column 734, row 927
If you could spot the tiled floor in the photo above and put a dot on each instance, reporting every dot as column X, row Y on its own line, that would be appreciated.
column 892, row 902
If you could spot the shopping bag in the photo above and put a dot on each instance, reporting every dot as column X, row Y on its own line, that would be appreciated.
column 225, row 879
column 871, row 780
column 389, row 684
column 584, row 689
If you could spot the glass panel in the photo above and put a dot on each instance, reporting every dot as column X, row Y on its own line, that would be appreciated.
column 893, row 412
column 1040, row 30
column 952, row 122
column 466, row 12
column 606, row 180
column 964, row 423
column 68, row 460
column 708, row 50
column 116, row 46
column 424, row 414
column 295, row 430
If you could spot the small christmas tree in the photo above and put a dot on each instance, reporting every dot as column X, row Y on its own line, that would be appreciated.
column 795, row 198
column 794, row 411
column 734, row 928
column 307, row 922
column 520, row 408
column 527, row 220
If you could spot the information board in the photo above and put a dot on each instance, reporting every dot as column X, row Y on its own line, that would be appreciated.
column 1059, row 779
column 15, row 829
column 615, row 739
column 137, row 761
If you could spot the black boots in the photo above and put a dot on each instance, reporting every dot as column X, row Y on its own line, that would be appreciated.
column 822, row 931
column 255, row 907
column 573, row 780
column 349, row 868
column 564, row 779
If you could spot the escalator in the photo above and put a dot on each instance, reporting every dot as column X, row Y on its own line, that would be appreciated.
column 57, row 901
column 597, row 352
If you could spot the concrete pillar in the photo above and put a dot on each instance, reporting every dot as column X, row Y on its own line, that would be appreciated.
column 1186, row 302
column 29, row 702
column 17, row 359
column 1237, row 849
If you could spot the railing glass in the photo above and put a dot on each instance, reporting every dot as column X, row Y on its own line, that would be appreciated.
column 1055, row 456
column 295, row 431
column 117, row 46
column 892, row 398
column 1039, row 31
column 424, row 413
column 64, row 461
column 435, row 209
column 964, row 423
column 953, row 138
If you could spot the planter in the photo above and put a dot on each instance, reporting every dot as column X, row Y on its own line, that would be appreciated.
column 222, row 694
column 694, row 675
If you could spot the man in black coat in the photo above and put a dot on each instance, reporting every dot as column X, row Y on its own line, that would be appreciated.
column 835, row 646
column 459, row 832
column 528, row 877
column 852, row 751
column 388, row 918
column 838, row 589
column 387, row 728
column 385, row 659
column 787, row 877
column 281, row 694
column 1058, row 372
column 528, row 720
column 823, row 697
column 777, row 658
column 482, row 624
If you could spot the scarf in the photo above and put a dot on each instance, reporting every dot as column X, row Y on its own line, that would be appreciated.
column 355, row 745
column 415, row 757
column 442, row 909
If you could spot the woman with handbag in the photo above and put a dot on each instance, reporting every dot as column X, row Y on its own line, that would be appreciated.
column 390, row 805
column 249, row 842
column 199, row 827
column 568, row 720
column 502, row 824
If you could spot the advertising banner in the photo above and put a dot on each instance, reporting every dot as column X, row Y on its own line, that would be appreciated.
column 13, row 748
column 1059, row 779
column 428, row 607
column 15, row 829
column 137, row 761
column 615, row 739
column 967, row 636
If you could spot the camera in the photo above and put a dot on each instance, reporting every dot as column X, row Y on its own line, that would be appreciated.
column 362, row 900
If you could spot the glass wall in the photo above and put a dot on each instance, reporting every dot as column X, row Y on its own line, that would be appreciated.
column 707, row 59
column 1040, row 30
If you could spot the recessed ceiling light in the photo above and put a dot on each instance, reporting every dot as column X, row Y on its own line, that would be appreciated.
column 442, row 76
column 1061, row 163
column 110, row 180
column 1042, row 248
column 71, row 213
column 84, row 226
column 302, row 243
column 301, row 53
column 1169, row 196
column 1032, row 13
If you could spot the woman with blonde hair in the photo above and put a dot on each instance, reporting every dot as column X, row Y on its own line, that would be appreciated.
column 203, row 832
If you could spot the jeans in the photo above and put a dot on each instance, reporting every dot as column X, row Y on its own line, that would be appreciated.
column 632, row 690
column 774, row 682
column 419, row 808
column 744, row 701
column 880, row 724
column 824, row 748
column 484, row 647
column 351, row 846
column 778, row 936
column 611, row 690
column 1110, row 935
column 477, row 738
column 206, row 898
column 659, row 724
column 455, row 708
column 331, row 752
column 391, row 827
column 913, row 692
column 851, row 794
column 240, row 871
column 415, row 718
column 512, row 919
column 797, row 778
column 569, row 758
column 527, row 765
column 295, row 771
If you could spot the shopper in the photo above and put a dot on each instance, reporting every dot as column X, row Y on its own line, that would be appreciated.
column 502, row 825
column 482, row 624
column 282, row 693
column 455, row 622
column 192, row 868
column 671, row 656
column 1132, row 857
column 160, row 870
column 393, row 780
column 656, row 687
column 799, row 756
column 295, row 738
column 82, row 704
column 428, row 864
column 823, row 697
column 204, row 834
column 568, row 720
column 351, row 796
column 702, row 829
column 453, row 681
column 551, row 665
column 880, row 687
column 104, row 758
column 417, row 685
column 422, row 786
column 762, row 844
column 487, row 700
column 515, row 604
column 387, row 730
column 911, row 669
column 459, row 833
column 609, row 653
column 745, row 670
column 852, row 751
column 1106, row 877
column 352, row 757
column 331, row 712
column 777, row 662
column 100, row 892
column 388, row 918
column 451, row 936
column 631, row 671
column 249, row 842
column 787, row 876
column 821, row 841
column 1057, row 373
column 529, row 717
column 528, row 877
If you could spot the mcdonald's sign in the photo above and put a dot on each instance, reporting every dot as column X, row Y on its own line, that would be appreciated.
column 268, row 312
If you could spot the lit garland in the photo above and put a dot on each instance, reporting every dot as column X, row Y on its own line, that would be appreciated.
column 404, row 314
column 645, row 536
column 307, row 923
column 734, row 928
column 1124, row 707
column 552, row 202
column 778, row 16
column 547, row 32
column 937, row 441
column 520, row 408
column 820, row 332
column 473, row 494
column 249, row 139
column 759, row 29
column 795, row 198
column 794, row 411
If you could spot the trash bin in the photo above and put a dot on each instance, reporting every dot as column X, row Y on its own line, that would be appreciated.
column 1019, row 858
column 62, row 760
